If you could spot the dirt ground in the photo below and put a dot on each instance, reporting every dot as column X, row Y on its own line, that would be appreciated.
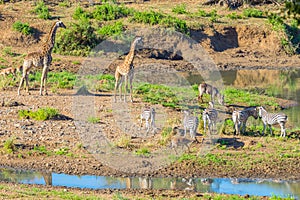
column 244, row 45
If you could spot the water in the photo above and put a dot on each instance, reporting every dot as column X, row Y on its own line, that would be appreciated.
column 257, row 187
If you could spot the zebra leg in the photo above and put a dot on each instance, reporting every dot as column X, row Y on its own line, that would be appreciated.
column 283, row 133
column 263, row 132
column 270, row 126
column 243, row 128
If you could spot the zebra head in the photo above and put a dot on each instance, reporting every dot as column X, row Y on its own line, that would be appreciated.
column 260, row 110
column 254, row 112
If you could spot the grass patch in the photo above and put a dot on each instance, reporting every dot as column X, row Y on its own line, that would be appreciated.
column 234, row 15
column 179, row 9
column 93, row 120
column 109, row 11
column 41, row 114
column 124, row 141
column 62, row 151
column 9, row 145
column 158, row 94
column 41, row 150
column 23, row 28
column 238, row 96
column 252, row 12
column 143, row 152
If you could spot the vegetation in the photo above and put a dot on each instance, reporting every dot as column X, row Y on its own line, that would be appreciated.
column 143, row 152
column 94, row 120
column 23, row 28
column 180, row 9
column 9, row 146
column 111, row 29
column 110, row 11
column 252, row 12
column 41, row 114
column 42, row 10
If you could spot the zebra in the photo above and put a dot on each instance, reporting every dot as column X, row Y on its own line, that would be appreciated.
column 211, row 115
column 272, row 118
column 148, row 114
column 205, row 88
column 190, row 122
column 240, row 118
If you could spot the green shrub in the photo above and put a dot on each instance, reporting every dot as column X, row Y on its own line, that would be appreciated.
column 9, row 146
column 78, row 40
column 251, row 12
column 80, row 13
column 65, row 3
column 153, row 18
column 42, row 10
column 202, row 13
column 179, row 9
column 110, row 11
column 23, row 28
column 111, row 29
column 41, row 114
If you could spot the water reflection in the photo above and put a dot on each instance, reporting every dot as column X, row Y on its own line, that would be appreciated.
column 258, row 187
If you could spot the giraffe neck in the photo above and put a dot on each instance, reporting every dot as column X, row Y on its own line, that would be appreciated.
column 49, row 44
column 130, row 56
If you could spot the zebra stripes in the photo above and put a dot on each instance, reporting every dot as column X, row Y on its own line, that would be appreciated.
column 148, row 114
column 240, row 118
column 210, row 115
column 190, row 122
column 271, row 119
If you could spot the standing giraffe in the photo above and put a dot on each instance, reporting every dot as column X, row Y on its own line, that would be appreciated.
column 41, row 58
column 126, row 69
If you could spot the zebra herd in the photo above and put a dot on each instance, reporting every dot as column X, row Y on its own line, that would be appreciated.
column 210, row 116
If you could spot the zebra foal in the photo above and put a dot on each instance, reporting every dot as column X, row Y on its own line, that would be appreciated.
column 148, row 114
column 240, row 118
column 271, row 119
column 210, row 115
column 190, row 122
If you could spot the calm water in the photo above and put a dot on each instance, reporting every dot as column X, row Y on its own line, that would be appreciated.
column 256, row 187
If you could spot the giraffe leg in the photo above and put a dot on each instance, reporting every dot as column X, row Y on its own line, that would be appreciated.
column 125, row 87
column 130, row 82
column 27, row 83
column 43, row 79
column 21, row 83
column 117, row 77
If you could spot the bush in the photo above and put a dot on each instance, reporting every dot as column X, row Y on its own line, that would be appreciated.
column 250, row 12
column 153, row 18
column 42, row 10
column 111, row 29
column 80, row 13
column 110, row 11
column 41, row 114
column 234, row 16
column 78, row 40
column 23, row 28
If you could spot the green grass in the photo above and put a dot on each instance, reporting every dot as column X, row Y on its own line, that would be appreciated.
column 180, row 9
column 23, row 28
column 41, row 114
column 9, row 145
column 239, row 96
column 158, row 94
column 93, row 120
column 234, row 15
column 41, row 150
column 110, row 11
column 62, row 151
column 143, row 152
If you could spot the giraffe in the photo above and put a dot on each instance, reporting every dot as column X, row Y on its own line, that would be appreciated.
column 126, row 69
column 41, row 58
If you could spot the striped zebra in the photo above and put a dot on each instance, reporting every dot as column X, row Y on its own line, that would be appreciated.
column 271, row 119
column 148, row 114
column 211, row 115
column 240, row 118
column 190, row 122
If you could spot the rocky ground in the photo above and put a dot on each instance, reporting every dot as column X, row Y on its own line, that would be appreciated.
column 231, row 46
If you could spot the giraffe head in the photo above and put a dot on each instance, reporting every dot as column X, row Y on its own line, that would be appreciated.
column 137, row 39
column 60, row 24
